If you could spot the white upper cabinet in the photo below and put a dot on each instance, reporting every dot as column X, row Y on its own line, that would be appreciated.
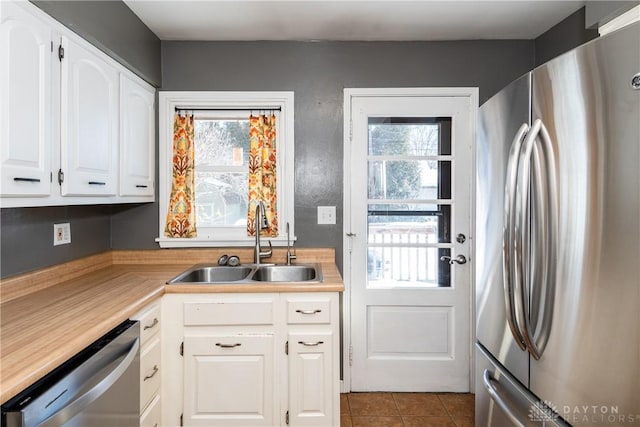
column 89, row 128
column 26, row 83
column 76, row 127
column 137, row 138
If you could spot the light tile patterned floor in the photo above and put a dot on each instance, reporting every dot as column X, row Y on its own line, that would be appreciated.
column 407, row 410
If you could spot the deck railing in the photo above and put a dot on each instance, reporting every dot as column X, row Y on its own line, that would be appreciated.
column 397, row 255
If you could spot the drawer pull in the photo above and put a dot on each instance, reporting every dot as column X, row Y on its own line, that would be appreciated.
column 154, row 323
column 97, row 183
column 21, row 179
column 309, row 311
column 155, row 371
column 228, row 345
column 141, row 186
column 311, row 344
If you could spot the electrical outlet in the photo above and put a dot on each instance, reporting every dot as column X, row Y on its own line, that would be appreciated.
column 326, row 214
column 61, row 234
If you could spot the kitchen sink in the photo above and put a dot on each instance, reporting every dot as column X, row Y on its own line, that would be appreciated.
column 287, row 273
column 246, row 274
column 203, row 273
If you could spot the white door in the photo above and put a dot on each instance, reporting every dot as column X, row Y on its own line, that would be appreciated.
column 25, row 102
column 89, row 134
column 409, row 214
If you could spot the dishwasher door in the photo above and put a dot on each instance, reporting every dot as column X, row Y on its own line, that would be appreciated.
column 98, row 387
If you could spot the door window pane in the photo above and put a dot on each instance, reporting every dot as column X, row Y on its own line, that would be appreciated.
column 422, row 224
column 409, row 179
column 398, row 267
column 409, row 136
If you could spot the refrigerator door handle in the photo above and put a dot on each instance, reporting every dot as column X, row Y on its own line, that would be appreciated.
column 509, row 235
column 536, row 345
column 548, row 188
column 495, row 396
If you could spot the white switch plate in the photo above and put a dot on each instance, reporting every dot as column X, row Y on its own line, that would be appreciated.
column 61, row 234
column 326, row 214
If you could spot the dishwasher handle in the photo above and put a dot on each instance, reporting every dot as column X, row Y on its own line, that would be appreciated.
column 103, row 384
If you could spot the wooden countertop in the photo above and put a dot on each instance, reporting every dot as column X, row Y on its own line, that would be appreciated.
column 49, row 315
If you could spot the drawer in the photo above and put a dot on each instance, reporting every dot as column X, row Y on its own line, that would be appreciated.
column 308, row 311
column 230, row 312
column 149, row 322
column 151, row 416
column 149, row 372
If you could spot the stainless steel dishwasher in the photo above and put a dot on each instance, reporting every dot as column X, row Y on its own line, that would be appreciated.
column 98, row 387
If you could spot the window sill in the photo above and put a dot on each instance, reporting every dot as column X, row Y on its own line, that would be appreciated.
column 166, row 242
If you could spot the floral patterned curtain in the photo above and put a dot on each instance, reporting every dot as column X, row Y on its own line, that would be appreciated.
column 181, row 217
column 262, row 172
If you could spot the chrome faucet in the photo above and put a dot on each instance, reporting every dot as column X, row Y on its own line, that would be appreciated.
column 261, row 224
column 290, row 256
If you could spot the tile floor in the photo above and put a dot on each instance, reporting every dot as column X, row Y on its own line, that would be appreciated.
column 407, row 410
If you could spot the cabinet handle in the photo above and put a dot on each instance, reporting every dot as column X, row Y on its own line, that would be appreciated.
column 309, row 311
column 97, row 183
column 228, row 345
column 311, row 344
column 155, row 371
column 154, row 323
column 21, row 179
column 141, row 186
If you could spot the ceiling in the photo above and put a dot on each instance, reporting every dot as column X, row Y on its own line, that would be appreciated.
column 350, row 20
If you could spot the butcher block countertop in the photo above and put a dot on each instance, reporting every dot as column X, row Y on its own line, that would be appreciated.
column 49, row 315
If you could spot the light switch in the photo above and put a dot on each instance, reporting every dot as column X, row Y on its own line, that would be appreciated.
column 326, row 214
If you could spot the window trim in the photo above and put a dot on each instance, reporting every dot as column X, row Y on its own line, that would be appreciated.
column 167, row 103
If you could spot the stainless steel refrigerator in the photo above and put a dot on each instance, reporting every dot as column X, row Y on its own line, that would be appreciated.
column 558, row 242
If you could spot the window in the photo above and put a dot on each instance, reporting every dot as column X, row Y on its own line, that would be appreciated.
column 221, row 163
column 409, row 209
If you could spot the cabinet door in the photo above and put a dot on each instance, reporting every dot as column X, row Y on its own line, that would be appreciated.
column 25, row 103
column 89, row 128
column 311, row 379
column 137, row 138
column 229, row 380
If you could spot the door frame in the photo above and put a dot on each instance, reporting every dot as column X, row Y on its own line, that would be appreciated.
column 349, row 93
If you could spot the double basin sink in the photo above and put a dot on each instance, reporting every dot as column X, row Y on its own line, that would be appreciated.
column 246, row 274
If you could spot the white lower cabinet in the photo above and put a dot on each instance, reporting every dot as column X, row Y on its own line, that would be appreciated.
column 251, row 359
column 311, row 378
column 229, row 380
column 152, row 415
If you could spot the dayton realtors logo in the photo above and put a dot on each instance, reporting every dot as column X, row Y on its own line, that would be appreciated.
column 545, row 411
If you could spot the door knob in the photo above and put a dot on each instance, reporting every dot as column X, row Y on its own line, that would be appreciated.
column 460, row 259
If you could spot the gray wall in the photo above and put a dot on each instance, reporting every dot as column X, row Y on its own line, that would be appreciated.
column 563, row 37
column 26, row 240
column 114, row 28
